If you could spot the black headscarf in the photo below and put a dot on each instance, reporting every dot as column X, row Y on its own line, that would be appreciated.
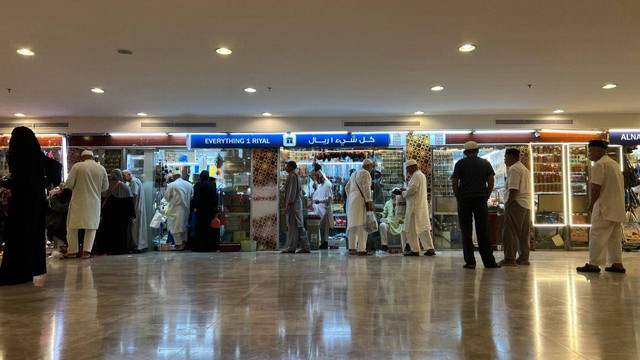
column 204, row 175
column 26, row 161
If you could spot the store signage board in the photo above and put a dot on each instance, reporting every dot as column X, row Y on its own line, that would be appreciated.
column 204, row 141
column 337, row 140
column 625, row 138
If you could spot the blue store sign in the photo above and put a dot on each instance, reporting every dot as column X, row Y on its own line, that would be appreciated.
column 625, row 138
column 204, row 141
column 336, row 140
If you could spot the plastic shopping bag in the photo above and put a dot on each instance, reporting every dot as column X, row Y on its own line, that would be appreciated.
column 156, row 221
column 371, row 222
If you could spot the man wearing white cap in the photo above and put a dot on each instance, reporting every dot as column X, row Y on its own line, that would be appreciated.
column 472, row 182
column 416, row 222
column 178, row 194
column 88, row 180
column 358, row 191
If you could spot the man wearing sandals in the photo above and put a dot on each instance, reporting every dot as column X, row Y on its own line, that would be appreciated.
column 607, row 211
column 88, row 180
column 358, row 191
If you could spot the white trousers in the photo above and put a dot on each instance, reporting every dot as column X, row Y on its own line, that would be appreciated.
column 358, row 237
column 72, row 240
column 605, row 240
column 416, row 239
column 179, row 238
column 384, row 235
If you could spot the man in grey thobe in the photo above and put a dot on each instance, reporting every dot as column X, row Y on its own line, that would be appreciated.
column 296, row 233
column 138, row 228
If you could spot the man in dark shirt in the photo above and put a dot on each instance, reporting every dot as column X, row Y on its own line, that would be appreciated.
column 472, row 184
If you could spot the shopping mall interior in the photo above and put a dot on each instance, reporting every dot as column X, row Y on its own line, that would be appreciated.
column 171, row 89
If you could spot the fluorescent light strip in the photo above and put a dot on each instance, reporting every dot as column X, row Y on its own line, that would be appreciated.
column 178, row 134
column 452, row 132
column 65, row 164
column 571, row 131
column 138, row 134
column 503, row 131
column 329, row 163
column 47, row 135
column 624, row 130
column 319, row 132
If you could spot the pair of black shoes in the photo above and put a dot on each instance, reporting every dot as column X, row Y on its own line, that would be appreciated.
column 587, row 268
column 492, row 266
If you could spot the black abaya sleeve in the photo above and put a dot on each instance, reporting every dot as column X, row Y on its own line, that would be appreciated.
column 53, row 171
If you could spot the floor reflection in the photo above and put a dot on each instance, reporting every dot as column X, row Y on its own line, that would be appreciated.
column 325, row 305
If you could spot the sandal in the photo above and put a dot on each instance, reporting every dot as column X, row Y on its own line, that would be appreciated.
column 587, row 268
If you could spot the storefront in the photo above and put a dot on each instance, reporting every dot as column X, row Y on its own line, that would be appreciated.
column 339, row 154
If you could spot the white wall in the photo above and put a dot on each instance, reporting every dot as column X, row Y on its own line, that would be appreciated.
column 97, row 125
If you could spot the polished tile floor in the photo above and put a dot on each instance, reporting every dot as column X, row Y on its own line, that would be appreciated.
column 325, row 305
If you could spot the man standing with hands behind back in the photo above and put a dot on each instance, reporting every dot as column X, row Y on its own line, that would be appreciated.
column 607, row 210
column 472, row 182
column 517, row 211
column 416, row 222
column 296, row 233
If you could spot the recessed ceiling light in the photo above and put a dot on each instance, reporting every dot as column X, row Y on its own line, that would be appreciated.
column 250, row 90
column 609, row 86
column 437, row 88
column 266, row 114
column 418, row 113
column 223, row 51
column 142, row 114
column 466, row 48
column 19, row 115
column 97, row 91
column 26, row 52
column 559, row 111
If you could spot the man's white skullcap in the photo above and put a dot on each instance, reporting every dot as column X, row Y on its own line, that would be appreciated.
column 87, row 153
column 367, row 162
column 410, row 163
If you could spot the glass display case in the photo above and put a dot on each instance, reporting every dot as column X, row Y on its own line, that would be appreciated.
column 548, row 184
column 579, row 173
column 445, row 206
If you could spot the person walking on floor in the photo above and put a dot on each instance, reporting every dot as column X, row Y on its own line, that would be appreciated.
column 391, row 222
column 607, row 210
column 517, row 211
column 31, row 174
column 323, row 199
column 296, row 233
column 88, row 180
column 417, row 223
column 472, row 182
column 139, row 241
column 358, row 191
column 178, row 195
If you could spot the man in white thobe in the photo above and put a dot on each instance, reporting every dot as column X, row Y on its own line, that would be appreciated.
column 417, row 223
column 138, row 227
column 358, row 191
column 607, row 210
column 88, row 180
column 179, row 194
column 323, row 199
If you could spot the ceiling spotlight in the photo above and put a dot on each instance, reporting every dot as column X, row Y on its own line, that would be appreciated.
column 559, row 111
column 25, row 52
column 250, row 90
column 266, row 114
column 223, row 51
column 142, row 114
column 609, row 86
column 19, row 115
column 418, row 113
column 437, row 88
column 466, row 48
column 97, row 91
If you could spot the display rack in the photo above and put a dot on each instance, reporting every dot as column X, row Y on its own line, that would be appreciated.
column 547, row 177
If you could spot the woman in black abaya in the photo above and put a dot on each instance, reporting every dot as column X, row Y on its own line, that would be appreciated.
column 206, row 208
column 117, row 211
column 31, row 174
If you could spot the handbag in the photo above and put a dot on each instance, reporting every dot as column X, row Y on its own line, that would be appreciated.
column 156, row 221
column 223, row 218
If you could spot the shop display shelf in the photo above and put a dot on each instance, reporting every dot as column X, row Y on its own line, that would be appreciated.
column 548, row 192
column 238, row 214
column 445, row 213
column 549, row 183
